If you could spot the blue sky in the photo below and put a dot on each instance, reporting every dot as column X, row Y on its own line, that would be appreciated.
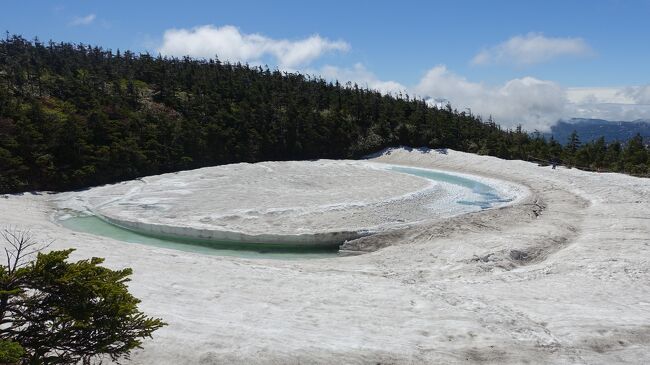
column 520, row 61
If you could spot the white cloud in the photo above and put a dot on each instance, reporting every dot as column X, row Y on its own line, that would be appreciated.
column 596, row 95
column 83, row 20
column 610, row 103
column 533, row 103
column 361, row 76
column 228, row 43
column 532, row 48
column 611, row 111
column 639, row 94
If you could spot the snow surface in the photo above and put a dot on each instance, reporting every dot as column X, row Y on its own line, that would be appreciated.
column 306, row 203
column 562, row 276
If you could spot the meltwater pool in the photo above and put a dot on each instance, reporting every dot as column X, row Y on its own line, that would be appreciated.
column 477, row 195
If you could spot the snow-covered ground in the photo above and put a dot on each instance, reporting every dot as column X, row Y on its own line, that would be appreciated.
column 306, row 203
column 561, row 276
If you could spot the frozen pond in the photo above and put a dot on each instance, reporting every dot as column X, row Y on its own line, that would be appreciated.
column 558, row 276
column 484, row 196
column 443, row 195
column 95, row 225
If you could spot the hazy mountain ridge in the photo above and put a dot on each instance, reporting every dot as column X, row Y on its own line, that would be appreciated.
column 592, row 129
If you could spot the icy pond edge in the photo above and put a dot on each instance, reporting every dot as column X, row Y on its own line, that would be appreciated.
column 515, row 193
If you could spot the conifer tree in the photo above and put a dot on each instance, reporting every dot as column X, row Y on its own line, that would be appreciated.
column 58, row 312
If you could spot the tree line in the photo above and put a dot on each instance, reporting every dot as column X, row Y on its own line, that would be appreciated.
column 74, row 115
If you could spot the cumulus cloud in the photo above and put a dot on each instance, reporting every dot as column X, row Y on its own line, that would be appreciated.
column 530, row 102
column 527, row 101
column 598, row 95
column 530, row 49
column 361, row 76
column 611, row 111
column 533, row 103
column 229, row 43
column 639, row 94
column 610, row 103
column 83, row 20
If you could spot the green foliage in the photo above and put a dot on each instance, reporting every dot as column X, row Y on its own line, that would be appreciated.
column 73, row 116
column 64, row 312
column 10, row 352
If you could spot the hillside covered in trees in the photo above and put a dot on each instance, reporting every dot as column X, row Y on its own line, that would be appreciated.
column 73, row 116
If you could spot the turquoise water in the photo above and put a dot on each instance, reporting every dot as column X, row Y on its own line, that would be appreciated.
column 485, row 197
column 97, row 226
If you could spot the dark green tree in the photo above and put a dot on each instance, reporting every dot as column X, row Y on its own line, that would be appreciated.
column 63, row 312
column 635, row 156
column 573, row 142
column 571, row 148
column 73, row 116
column 10, row 352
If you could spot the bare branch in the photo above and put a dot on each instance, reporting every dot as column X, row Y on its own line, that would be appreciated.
column 21, row 246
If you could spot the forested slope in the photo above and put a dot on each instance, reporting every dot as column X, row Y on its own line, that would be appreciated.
column 73, row 116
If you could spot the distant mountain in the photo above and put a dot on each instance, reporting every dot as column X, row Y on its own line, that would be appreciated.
column 592, row 129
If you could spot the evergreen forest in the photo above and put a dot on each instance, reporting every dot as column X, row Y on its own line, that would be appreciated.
column 74, row 116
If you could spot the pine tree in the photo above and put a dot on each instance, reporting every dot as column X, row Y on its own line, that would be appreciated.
column 59, row 312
